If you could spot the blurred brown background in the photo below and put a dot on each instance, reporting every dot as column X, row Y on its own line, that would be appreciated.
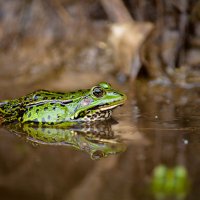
column 58, row 40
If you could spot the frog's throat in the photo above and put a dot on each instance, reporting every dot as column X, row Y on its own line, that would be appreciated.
column 97, row 115
column 101, row 112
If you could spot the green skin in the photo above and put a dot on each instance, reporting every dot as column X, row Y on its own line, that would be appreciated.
column 55, row 108
column 81, row 138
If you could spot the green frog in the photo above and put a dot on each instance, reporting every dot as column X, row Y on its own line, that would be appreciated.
column 55, row 108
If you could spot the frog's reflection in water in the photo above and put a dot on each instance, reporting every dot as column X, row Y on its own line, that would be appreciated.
column 97, row 139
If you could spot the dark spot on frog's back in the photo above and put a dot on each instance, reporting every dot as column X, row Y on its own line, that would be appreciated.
column 45, row 108
column 49, row 117
column 30, row 108
column 54, row 108
column 26, row 98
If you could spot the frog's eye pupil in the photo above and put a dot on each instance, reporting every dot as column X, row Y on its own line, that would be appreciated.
column 98, row 92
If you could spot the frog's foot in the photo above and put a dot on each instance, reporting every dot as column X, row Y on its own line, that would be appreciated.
column 1, row 120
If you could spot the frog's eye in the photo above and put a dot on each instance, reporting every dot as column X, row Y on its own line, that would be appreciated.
column 98, row 92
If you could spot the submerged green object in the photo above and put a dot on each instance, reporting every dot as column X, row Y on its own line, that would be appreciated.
column 53, row 108
column 170, row 182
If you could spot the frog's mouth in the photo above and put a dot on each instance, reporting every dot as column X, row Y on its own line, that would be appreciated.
column 107, row 107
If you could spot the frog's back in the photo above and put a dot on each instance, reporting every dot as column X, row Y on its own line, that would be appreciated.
column 42, row 95
column 44, row 106
column 39, row 106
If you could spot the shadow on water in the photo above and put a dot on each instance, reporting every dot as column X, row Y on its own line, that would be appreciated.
column 151, row 153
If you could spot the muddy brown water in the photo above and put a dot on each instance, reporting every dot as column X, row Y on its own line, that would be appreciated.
column 159, row 128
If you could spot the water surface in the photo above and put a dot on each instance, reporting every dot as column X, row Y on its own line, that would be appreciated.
column 151, row 153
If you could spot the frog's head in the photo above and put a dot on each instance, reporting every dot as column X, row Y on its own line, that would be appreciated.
column 98, row 103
